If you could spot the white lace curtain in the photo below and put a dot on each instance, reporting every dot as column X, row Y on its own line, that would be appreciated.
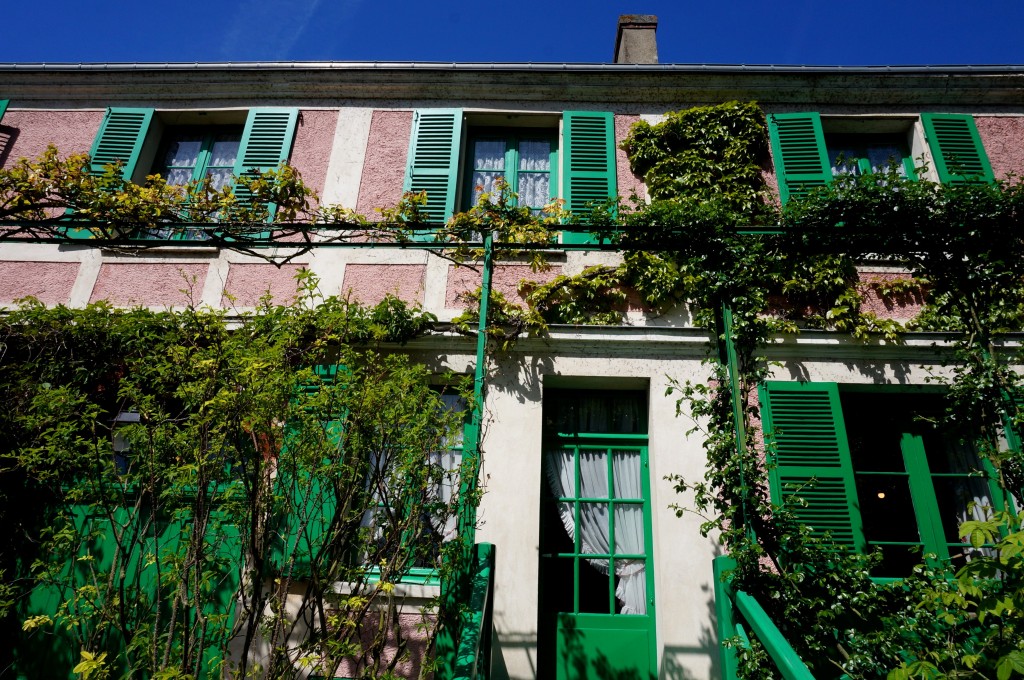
column 594, row 530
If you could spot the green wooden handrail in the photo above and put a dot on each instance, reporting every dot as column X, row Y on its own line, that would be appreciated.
column 473, row 659
column 729, row 603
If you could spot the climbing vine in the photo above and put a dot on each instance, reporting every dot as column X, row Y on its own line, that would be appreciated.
column 187, row 496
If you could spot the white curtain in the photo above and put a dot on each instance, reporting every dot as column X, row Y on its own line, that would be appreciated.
column 631, row 588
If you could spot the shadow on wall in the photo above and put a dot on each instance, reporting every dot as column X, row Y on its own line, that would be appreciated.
column 8, row 135
column 672, row 655
column 879, row 373
column 523, row 644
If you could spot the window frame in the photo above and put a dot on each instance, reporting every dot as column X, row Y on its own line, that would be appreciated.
column 207, row 137
column 779, row 405
column 512, row 137
column 860, row 142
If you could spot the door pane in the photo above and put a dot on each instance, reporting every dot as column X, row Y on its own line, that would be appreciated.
column 629, row 529
column 593, row 474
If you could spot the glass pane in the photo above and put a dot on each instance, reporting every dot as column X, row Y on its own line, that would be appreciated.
column 882, row 156
column 595, row 587
column 534, row 155
column 626, row 474
column 887, row 510
column 484, row 182
column 630, row 587
column 593, row 473
column 843, row 160
column 593, row 529
column 183, row 152
column 219, row 178
column 897, row 560
column 489, row 154
column 225, row 150
column 961, row 499
column 629, row 529
column 179, row 176
column 949, row 453
column 534, row 190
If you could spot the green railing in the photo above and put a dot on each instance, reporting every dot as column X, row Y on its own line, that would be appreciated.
column 473, row 658
column 737, row 611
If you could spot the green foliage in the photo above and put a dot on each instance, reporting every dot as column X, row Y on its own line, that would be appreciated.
column 169, row 476
column 506, row 321
column 704, row 154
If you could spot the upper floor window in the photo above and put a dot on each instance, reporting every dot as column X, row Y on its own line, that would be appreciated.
column 865, row 154
column 543, row 156
column 193, row 153
column 809, row 151
column 526, row 160
column 190, row 145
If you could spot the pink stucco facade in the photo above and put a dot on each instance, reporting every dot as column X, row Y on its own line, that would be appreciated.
column 899, row 307
column 150, row 285
column 505, row 280
column 369, row 283
column 311, row 150
column 248, row 283
column 387, row 149
column 628, row 183
column 49, row 282
column 1003, row 137
column 26, row 134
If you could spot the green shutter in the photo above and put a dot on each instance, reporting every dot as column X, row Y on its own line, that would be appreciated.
column 266, row 143
column 121, row 136
column 433, row 164
column 3, row 108
column 809, row 458
column 120, row 139
column 956, row 147
column 801, row 160
column 589, row 163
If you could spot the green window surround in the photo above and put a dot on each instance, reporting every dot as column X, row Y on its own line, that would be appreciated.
column 582, row 165
column 263, row 144
column 805, row 155
column 875, row 470
column 525, row 158
column 3, row 108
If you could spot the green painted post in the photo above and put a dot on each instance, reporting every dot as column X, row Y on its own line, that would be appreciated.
column 724, row 613
column 454, row 589
column 738, row 422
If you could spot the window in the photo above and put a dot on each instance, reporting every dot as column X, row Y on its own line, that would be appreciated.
column 425, row 537
column 581, row 159
column 805, row 148
column 191, row 145
column 526, row 160
column 190, row 154
column 875, row 470
column 863, row 154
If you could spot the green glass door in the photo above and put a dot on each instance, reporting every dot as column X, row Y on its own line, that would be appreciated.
column 596, row 577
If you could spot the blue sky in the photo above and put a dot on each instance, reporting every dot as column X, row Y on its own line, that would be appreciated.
column 704, row 31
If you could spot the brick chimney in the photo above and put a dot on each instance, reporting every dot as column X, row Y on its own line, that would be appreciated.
column 635, row 42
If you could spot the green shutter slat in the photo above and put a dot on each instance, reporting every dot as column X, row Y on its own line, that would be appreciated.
column 433, row 164
column 589, row 163
column 801, row 160
column 804, row 429
column 956, row 147
column 266, row 143
column 3, row 108
column 120, row 139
